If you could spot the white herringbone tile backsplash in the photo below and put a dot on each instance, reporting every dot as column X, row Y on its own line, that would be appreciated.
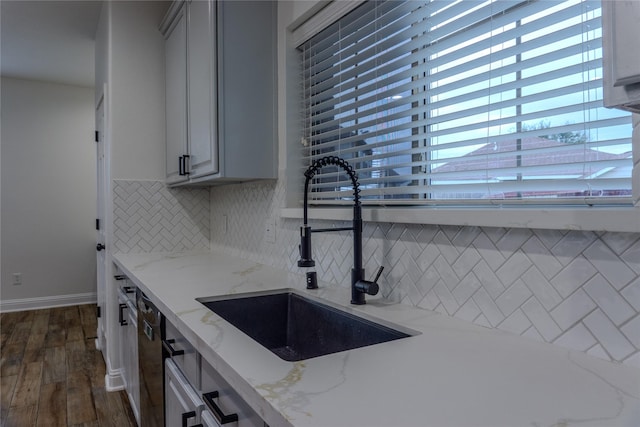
column 577, row 289
column 149, row 217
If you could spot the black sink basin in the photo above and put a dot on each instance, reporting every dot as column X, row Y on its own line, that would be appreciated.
column 297, row 328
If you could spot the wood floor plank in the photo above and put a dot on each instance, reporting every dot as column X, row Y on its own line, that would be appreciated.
column 99, row 395
column 75, row 333
column 89, row 424
column 11, row 359
column 40, row 322
column 21, row 416
column 4, row 337
column 72, row 317
column 52, row 374
column 119, row 407
column 21, row 332
column 88, row 314
column 56, row 335
column 90, row 331
column 6, row 322
column 55, row 365
column 80, row 406
column 34, row 349
column 112, row 408
column 56, row 316
column 23, row 316
column 52, row 406
column 98, row 370
column 7, row 386
column 77, row 357
column 27, row 391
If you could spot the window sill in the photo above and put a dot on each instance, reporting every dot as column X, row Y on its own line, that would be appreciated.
column 614, row 219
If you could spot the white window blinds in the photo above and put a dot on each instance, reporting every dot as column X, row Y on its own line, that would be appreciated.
column 464, row 102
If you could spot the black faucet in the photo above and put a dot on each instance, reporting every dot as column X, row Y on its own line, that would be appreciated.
column 359, row 286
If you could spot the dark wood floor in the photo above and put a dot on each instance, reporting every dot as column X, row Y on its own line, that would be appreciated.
column 52, row 374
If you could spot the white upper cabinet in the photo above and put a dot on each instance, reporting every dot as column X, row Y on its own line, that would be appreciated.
column 201, row 52
column 176, row 94
column 220, row 91
column 621, row 57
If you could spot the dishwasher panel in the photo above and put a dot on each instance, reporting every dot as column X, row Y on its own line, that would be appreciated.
column 150, row 364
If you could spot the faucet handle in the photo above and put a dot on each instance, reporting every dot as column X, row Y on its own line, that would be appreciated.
column 372, row 287
column 378, row 274
column 369, row 287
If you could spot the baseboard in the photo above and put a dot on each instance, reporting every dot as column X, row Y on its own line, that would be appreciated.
column 47, row 302
column 113, row 381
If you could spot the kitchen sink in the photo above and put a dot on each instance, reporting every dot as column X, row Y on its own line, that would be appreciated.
column 295, row 327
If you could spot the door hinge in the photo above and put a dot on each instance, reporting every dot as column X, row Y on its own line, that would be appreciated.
column 98, row 224
column 97, row 136
column 98, row 312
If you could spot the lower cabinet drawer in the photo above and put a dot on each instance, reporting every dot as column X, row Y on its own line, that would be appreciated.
column 223, row 403
column 208, row 420
column 183, row 406
column 182, row 353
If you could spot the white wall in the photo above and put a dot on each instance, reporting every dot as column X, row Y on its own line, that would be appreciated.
column 130, row 62
column 48, row 189
column 130, row 65
column 137, row 90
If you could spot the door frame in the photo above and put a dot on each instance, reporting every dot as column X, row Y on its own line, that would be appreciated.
column 101, row 196
column 108, row 341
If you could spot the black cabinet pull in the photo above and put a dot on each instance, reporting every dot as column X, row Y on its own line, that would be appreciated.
column 172, row 351
column 183, row 167
column 221, row 417
column 120, row 277
column 128, row 289
column 121, row 318
column 100, row 247
column 186, row 416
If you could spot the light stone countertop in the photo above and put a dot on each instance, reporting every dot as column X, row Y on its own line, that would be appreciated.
column 453, row 373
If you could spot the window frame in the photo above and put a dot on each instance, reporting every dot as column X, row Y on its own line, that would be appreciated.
column 561, row 217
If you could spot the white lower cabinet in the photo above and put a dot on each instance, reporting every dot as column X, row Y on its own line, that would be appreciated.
column 224, row 403
column 128, row 340
column 195, row 394
column 131, row 361
column 183, row 406
column 208, row 420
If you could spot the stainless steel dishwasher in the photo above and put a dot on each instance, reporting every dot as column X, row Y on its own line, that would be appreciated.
column 150, row 362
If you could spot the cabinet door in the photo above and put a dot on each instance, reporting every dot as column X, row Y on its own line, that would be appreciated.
column 122, row 339
column 176, row 97
column 203, row 152
column 133, row 382
column 246, row 92
column 182, row 404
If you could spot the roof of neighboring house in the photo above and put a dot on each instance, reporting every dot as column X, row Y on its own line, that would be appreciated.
column 534, row 151
column 577, row 160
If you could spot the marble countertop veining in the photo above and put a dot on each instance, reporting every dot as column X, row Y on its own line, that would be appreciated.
column 453, row 373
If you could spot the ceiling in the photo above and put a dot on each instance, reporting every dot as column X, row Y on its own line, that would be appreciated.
column 49, row 40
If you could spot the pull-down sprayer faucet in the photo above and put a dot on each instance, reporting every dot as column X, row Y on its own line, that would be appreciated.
column 359, row 286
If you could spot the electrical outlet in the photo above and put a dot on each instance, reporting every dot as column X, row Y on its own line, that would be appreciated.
column 17, row 279
column 270, row 231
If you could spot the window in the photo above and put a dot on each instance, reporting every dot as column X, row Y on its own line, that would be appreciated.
column 464, row 102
